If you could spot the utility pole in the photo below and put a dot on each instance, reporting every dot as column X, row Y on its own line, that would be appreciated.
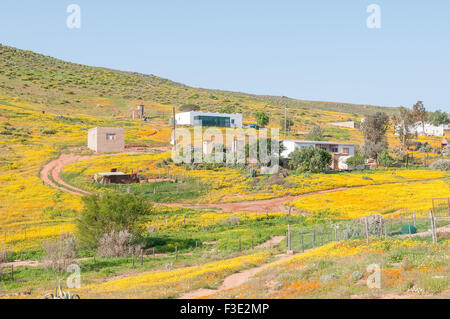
column 285, row 121
column 174, row 129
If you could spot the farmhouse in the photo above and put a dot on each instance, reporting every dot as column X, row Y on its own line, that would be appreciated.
column 425, row 130
column 332, row 147
column 194, row 118
column 106, row 139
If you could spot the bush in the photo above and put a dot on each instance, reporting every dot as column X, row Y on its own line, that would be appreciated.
column 189, row 107
column 384, row 159
column 443, row 165
column 111, row 211
column 310, row 159
column 117, row 244
column 357, row 159
column 315, row 134
column 3, row 256
column 61, row 253
column 232, row 221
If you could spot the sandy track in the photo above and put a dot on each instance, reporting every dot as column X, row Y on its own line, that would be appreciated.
column 237, row 279
column 54, row 168
column 257, row 206
column 50, row 173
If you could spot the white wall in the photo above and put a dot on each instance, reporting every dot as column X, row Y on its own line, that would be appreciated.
column 187, row 118
column 291, row 146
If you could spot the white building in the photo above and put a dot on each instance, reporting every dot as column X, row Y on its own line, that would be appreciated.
column 348, row 124
column 194, row 118
column 332, row 147
column 430, row 130
column 106, row 139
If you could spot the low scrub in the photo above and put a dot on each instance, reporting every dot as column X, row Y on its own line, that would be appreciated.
column 443, row 165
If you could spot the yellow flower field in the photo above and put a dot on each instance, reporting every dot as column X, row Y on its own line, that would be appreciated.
column 376, row 199
column 29, row 139
column 174, row 282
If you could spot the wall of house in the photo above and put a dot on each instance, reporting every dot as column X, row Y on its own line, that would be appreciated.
column 291, row 146
column 97, row 139
column 187, row 118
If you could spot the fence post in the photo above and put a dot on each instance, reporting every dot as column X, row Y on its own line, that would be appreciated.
column 142, row 256
column 176, row 252
column 240, row 244
column 335, row 232
column 289, row 238
column 12, row 272
column 252, row 244
column 132, row 256
column 381, row 226
column 433, row 230
column 303, row 244
column 196, row 246
column 414, row 218
column 314, row 238
column 366, row 224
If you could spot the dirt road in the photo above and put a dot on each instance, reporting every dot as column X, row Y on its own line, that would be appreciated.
column 50, row 173
column 257, row 206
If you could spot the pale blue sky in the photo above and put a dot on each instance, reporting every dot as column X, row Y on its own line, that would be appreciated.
column 315, row 50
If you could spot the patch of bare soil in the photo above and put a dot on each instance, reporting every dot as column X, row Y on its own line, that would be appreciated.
column 257, row 206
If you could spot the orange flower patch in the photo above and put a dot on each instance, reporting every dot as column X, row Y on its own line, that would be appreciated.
column 392, row 277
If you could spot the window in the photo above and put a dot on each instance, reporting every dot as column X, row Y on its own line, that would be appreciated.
column 334, row 150
column 212, row 121
column 346, row 150
column 110, row 137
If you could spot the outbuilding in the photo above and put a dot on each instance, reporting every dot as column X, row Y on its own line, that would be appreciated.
column 106, row 139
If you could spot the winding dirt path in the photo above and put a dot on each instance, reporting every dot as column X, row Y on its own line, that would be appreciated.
column 51, row 171
column 232, row 281
column 50, row 174
column 239, row 278
column 257, row 206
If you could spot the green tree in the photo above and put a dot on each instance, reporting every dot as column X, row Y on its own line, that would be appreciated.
column 357, row 159
column 310, row 159
column 419, row 114
column 110, row 211
column 385, row 159
column 403, row 122
column 374, row 130
column 289, row 124
column 438, row 117
column 262, row 119
column 315, row 134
